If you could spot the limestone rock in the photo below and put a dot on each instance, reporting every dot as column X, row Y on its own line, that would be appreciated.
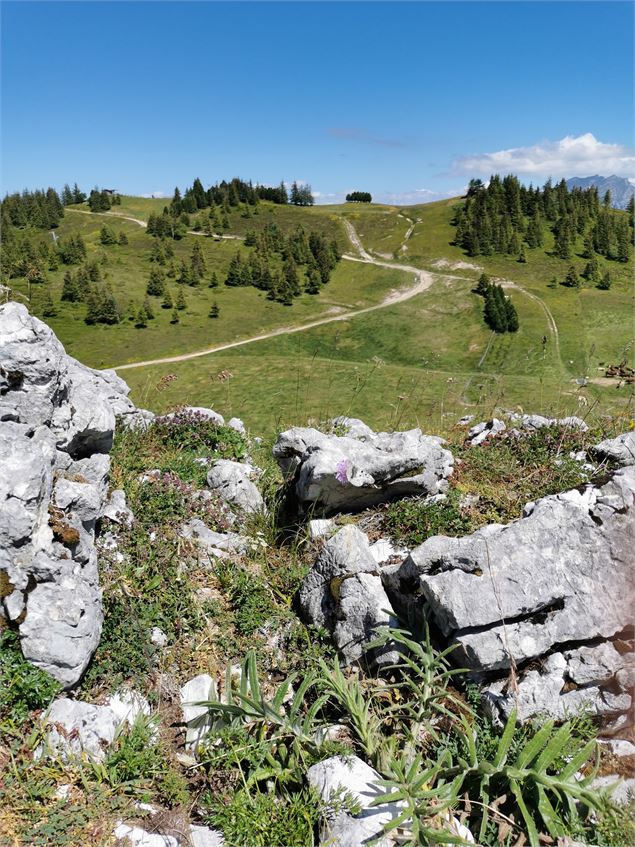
column 334, row 473
column 217, row 544
column 620, row 449
column 232, row 482
column 200, row 688
column 559, row 575
column 57, row 421
column 343, row 592
column 484, row 430
column 80, row 728
column 337, row 776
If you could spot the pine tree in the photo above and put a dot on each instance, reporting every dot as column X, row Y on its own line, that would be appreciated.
column 592, row 270
column 213, row 283
column 175, row 317
column 140, row 320
column 147, row 308
column 198, row 268
column 214, row 310
column 623, row 241
column 572, row 280
column 562, row 247
column 522, row 258
column 313, row 280
column 67, row 195
column 70, row 289
column 512, row 316
column 123, row 239
column 107, row 235
column 588, row 251
column 180, row 300
column 291, row 276
column 483, row 285
column 49, row 310
column 167, row 302
column 605, row 283
column 184, row 277
column 109, row 312
column 156, row 283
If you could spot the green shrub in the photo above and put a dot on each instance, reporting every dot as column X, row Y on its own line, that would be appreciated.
column 412, row 521
column 23, row 686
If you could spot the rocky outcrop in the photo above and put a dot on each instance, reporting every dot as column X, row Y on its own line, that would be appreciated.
column 232, row 481
column 620, row 450
column 343, row 593
column 347, row 473
column 57, row 421
column 557, row 583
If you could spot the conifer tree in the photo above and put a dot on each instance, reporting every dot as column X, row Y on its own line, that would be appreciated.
column 511, row 315
column 198, row 268
column 313, row 280
column 592, row 270
column 623, row 241
column 156, row 283
column 122, row 240
column 140, row 320
column 522, row 258
column 167, row 302
column 213, row 282
column 49, row 310
column 572, row 280
column 107, row 235
column 175, row 317
column 147, row 308
column 70, row 289
column 180, row 300
column 214, row 310
column 605, row 283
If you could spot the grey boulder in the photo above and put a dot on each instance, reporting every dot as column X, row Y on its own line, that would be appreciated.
column 232, row 481
column 343, row 593
column 333, row 473
column 620, row 449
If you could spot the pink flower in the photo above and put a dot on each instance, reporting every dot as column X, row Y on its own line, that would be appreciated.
column 341, row 474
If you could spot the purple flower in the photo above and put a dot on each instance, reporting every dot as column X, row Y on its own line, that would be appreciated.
column 341, row 474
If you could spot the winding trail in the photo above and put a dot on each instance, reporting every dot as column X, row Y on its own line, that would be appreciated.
column 423, row 281
column 144, row 224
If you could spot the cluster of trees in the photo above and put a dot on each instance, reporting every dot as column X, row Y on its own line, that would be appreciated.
column 236, row 192
column 40, row 209
column 499, row 312
column 504, row 216
column 107, row 236
column 169, row 224
column 189, row 273
column 301, row 195
column 591, row 273
column 101, row 201
column 77, row 285
column 359, row 197
column 72, row 195
column 277, row 263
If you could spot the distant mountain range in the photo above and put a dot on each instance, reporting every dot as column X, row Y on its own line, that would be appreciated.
column 621, row 189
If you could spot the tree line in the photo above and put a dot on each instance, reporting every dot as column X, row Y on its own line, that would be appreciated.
column 505, row 217
column 499, row 312
column 359, row 197
column 232, row 194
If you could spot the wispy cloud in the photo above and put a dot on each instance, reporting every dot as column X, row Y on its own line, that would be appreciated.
column 581, row 155
column 362, row 136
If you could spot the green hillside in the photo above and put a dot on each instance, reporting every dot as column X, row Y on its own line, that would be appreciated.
column 427, row 357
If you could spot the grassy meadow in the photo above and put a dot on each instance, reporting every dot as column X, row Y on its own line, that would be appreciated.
column 422, row 361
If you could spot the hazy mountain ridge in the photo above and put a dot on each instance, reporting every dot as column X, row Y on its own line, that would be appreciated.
column 621, row 189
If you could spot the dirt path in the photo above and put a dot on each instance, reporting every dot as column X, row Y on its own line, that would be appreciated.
column 425, row 280
column 145, row 225
column 506, row 283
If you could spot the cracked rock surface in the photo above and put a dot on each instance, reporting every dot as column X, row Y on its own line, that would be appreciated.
column 57, row 421
column 347, row 473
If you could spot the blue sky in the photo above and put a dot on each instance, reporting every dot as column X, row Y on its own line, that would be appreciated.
column 406, row 100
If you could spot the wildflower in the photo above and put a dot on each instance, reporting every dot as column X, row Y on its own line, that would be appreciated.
column 341, row 474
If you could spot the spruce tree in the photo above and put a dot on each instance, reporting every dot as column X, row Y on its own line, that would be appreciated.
column 147, row 308
column 197, row 262
column 214, row 310
column 592, row 270
column 167, row 302
column 572, row 280
column 175, row 317
column 483, row 285
column 605, row 283
column 70, row 289
column 122, row 240
column 213, row 283
column 107, row 235
column 623, row 241
column 156, row 283
column 512, row 316
column 49, row 310
column 140, row 320
column 180, row 300
column 522, row 258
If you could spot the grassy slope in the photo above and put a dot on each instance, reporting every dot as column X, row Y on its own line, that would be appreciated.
column 425, row 351
column 429, row 347
column 243, row 312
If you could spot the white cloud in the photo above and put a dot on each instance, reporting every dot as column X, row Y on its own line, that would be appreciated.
column 581, row 155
